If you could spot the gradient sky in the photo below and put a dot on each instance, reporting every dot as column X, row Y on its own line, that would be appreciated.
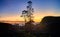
column 10, row 10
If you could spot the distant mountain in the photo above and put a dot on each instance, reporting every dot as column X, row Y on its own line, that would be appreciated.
column 50, row 19
column 52, row 24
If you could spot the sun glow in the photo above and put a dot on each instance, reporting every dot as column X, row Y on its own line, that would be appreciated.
column 38, row 15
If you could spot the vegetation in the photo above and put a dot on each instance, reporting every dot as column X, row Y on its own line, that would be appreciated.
column 48, row 27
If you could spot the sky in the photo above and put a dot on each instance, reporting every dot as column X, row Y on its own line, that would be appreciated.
column 10, row 10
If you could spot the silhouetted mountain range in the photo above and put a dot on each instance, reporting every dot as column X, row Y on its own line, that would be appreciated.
column 48, row 27
column 52, row 25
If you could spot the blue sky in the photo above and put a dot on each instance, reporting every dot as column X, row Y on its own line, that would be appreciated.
column 15, row 7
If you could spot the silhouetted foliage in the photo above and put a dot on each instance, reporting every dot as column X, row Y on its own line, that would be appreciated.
column 48, row 27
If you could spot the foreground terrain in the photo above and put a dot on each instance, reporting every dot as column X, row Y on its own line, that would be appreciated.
column 48, row 27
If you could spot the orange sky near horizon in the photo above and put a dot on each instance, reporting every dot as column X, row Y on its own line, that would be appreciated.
column 38, row 15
